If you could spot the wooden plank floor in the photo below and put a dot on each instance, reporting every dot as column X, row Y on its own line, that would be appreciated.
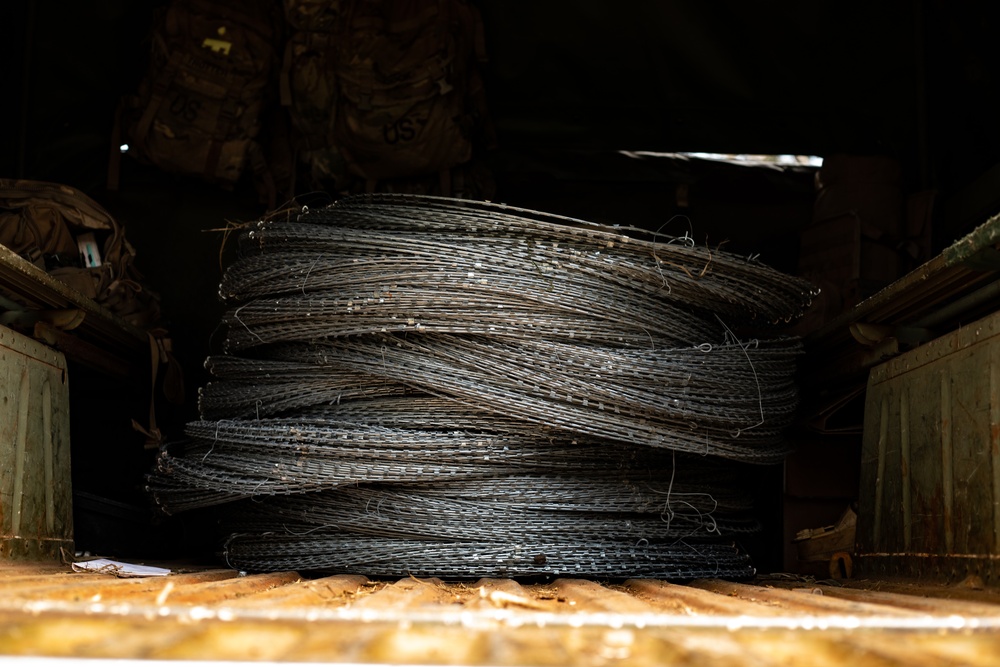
column 284, row 617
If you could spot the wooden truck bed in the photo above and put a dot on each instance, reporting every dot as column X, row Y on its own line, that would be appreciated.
column 214, row 614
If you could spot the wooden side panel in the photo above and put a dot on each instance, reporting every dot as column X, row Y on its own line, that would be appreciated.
column 36, row 516
column 931, row 459
column 929, row 429
column 972, row 486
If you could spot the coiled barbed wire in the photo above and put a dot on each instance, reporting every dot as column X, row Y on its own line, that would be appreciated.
column 728, row 400
column 298, row 455
column 385, row 263
column 424, row 385
column 512, row 511
column 380, row 556
column 695, row 277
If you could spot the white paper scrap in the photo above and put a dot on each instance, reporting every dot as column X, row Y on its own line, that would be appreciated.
column 119, row 569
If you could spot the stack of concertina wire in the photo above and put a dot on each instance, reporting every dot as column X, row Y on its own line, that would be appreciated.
column 435, row 387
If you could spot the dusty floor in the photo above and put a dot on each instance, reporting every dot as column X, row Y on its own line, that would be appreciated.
column 220, row 615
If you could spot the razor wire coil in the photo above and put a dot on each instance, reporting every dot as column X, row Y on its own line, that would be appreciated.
column 422, row 385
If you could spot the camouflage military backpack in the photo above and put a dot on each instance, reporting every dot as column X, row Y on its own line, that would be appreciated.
column 66, row 233
column 308, row 90
column 385, row 89
column 212, row 73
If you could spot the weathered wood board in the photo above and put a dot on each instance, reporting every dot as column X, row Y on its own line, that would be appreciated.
column 36, row 515
column 285, row 617
column 930, row 477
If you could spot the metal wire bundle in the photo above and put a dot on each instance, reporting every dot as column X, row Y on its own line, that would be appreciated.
column 523, row 524
column 234, row 459
column 264, row 388
column 417, row 264
column 728, row 400
column 612, row 511
column 299, row 296
column 461, row 238
column 441, row 387
column 344, row 552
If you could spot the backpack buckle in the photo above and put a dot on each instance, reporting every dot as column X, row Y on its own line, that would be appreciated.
column 443, row 86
